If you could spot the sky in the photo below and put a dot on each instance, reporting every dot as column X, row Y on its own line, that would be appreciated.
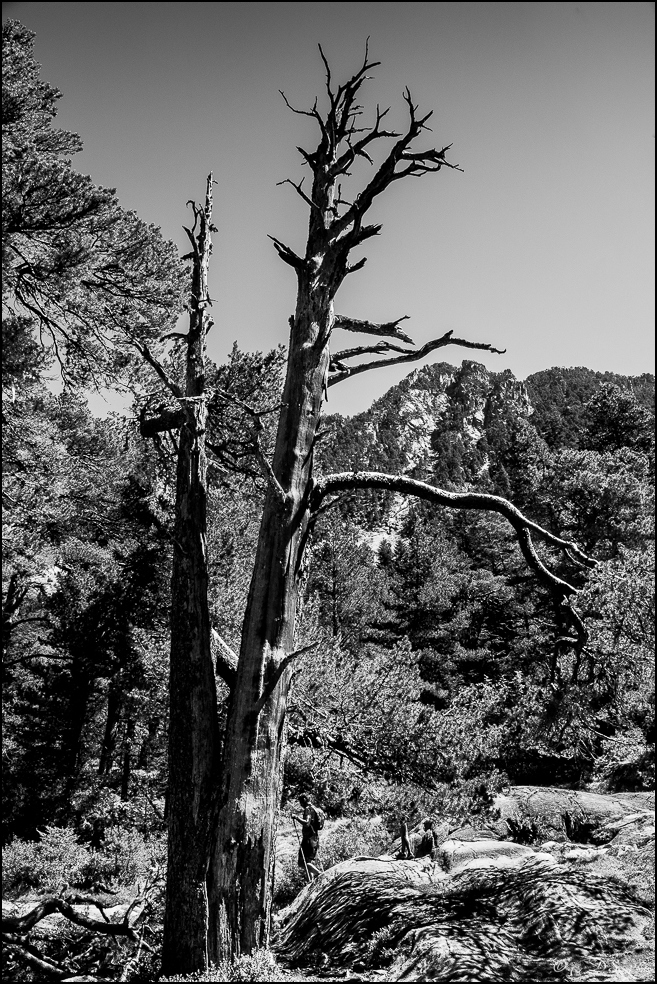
column 544, row 245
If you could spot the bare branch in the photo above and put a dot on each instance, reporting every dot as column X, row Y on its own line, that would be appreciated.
column 352, row 268
column 353, row 353
column 257, row 428
column 328, row 71
column 340, row 120
column 523, row 527
column 312, row 113
column 33, row 958
column 412, row 355
column 191, row 235
column 299, row 190
column 389, row 329
column 21, row 924
column 357, row 149
column 269, row 473
column 288, row 255
column 147, row 355
column 226, row 660
column 174, row 334
column 346, row 481
column 278, row 673
column 419, row 163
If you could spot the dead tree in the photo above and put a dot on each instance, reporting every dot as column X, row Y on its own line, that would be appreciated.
column 241, row 876
column 193, row 728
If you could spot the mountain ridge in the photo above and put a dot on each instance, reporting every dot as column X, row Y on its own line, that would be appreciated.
column 464, row 426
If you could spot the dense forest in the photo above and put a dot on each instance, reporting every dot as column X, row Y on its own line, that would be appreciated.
column 434, row 670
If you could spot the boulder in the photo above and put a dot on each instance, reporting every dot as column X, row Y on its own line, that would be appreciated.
column 548, row 813
column 454, row 854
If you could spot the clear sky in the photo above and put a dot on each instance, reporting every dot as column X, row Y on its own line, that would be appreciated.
column 544, row 245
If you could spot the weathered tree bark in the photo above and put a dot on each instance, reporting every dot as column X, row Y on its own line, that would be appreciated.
column 193, row 729
column 242, row 873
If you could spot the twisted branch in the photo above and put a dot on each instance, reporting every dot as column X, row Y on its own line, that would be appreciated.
column 523, row 527
column 409, row 355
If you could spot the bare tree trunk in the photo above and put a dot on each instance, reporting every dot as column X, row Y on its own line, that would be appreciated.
column 241, row 878
column 193, row 728
column 242, row 868
column 243, row 863
column 111, row 725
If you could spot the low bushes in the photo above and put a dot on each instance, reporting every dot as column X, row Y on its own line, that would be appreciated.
column 58, row 859
column 260, row 966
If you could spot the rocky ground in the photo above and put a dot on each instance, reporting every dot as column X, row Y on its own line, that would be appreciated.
column 577, row 901
column 558, row 884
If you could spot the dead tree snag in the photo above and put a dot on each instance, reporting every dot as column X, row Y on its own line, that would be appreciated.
column 241, row 879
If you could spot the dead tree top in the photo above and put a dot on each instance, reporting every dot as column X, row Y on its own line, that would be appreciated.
column 337, row 224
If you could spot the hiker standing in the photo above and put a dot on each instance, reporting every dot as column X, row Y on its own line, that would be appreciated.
column 311, row 823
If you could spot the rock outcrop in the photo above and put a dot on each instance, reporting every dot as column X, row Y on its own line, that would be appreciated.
column 568, row 814
column 516, row 918
column 492, row 909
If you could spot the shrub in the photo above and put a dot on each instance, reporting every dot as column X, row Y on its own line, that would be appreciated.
column 358, row 836
column 381, row 949
column 260, row 966
column 56, row 858
column 333, row 786
column 126, row 856
column 465, row 801
column 289, row 879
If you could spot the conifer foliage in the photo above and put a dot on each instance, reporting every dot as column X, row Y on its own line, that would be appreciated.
column 92, row 279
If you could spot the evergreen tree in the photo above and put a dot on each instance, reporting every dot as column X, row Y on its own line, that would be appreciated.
column 94, row 281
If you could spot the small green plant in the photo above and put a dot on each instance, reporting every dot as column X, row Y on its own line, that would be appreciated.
column 526, row 830
column 56, row 859
column 289, row 879
column 380, row 948
column 358, row 836
column 260, row 966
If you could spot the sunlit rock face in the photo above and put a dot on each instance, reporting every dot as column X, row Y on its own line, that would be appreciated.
column 433, row 400
column 433, row 426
